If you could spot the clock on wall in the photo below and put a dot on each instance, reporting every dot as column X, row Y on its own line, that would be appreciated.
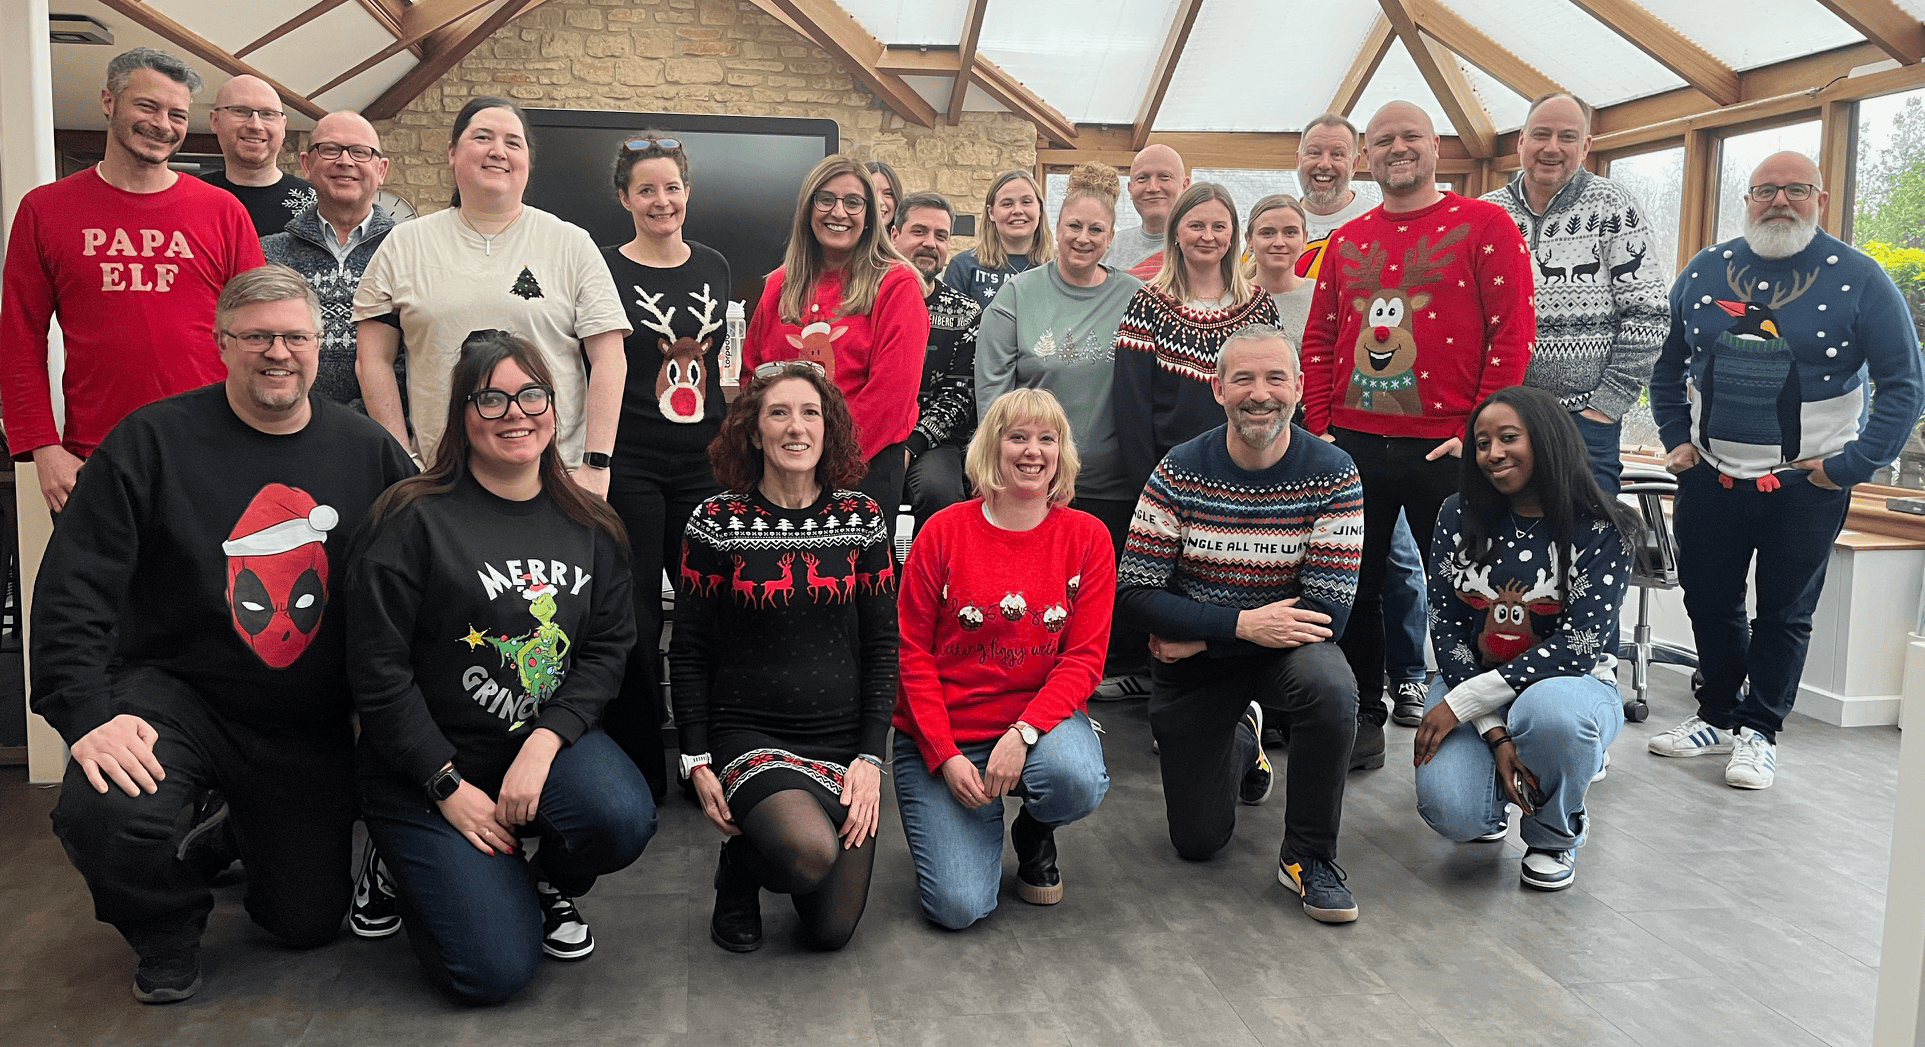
column 395, row 204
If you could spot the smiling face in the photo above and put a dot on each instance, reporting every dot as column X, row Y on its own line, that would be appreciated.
column 515, row 441
column 1028, row 456
column 270, row 386
column 1084, row 230
column 148, row 120
column 1503, row 449
column 1781, row 227
column 1401, row 146
column 1204, row 234
column 656, row 197
column 490, row 159
column 1156, row 180
column 1257, row 384
column 923, row 238
column 1326, row 155
column 1276, row 240
column 789, row 429
column 885, row 200
column 1553, row 145
column 343, row 181
column 252, row 142
column 1015, row 212
column 836, row 230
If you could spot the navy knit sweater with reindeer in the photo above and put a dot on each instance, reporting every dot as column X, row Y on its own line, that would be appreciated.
column 1417, row 317
column 1776, row 353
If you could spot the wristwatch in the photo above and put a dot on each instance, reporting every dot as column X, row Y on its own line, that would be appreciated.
column 690, row 763
column 1028, row 734
column 444, row 783
column 596, row 459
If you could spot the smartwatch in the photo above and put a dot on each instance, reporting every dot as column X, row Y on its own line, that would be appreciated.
column 1028, row 734
column 444, row 783
column 690, row 763
column 596, row 459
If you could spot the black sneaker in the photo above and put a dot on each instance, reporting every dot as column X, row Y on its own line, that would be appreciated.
column 1037, row 881
column 1367, row 752
column 168, row 977
column 374, row 913
column 1258, row 778
column 1407, row 703
column 1321, row 883
column 209, row 844
column 564, row 934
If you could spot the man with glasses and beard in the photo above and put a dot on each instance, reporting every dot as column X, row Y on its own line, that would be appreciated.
column 946, row 404
column 1759, row 394
column 130, row 256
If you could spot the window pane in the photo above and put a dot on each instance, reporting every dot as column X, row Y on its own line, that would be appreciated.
column 1656, row 180
column 1888, row 223
column 1740, row 155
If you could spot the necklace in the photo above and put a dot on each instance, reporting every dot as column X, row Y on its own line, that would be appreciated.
column 487, row 240
column 1520, row 535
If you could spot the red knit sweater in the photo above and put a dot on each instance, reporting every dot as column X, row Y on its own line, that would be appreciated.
column 999, row 626
column 1417, row 317
column 876, row 360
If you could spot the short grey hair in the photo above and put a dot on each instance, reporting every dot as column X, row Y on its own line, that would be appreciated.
column 1332, row 120
column 122, row 69
column 268, row 283
column 1259, row 333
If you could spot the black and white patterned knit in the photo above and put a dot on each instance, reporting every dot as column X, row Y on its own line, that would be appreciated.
column 1602, row 292
column 300, row 248
column 946, row 404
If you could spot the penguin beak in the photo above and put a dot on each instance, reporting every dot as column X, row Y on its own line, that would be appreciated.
column 1734, row 308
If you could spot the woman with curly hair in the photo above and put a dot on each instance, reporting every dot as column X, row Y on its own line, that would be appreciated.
column 784, row 659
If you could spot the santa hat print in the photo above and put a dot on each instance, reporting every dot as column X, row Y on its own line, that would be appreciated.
column 279, row 518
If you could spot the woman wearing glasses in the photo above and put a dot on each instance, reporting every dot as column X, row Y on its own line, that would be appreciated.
column 489, row 617
column 676, row 292
column 784, row 659
column 846, row 301
column 491, row 261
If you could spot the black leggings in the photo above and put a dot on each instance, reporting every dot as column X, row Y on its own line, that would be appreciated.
column 789, row 844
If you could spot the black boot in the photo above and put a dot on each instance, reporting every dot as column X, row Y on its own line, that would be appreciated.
column 1367, row 752
column 1037, row 881
column 737, row 923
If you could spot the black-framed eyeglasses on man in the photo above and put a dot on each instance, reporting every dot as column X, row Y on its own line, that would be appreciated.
column 242, row 112
column 261, row 341
column 492, row 403
column 360, row 154
column 1796, row 192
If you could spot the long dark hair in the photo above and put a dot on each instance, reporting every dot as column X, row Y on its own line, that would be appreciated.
column 467, row 116
column 1561, row 478
column 481, row 353
column 738, row 465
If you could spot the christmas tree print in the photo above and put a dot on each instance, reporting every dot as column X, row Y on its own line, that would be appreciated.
column 525, row 285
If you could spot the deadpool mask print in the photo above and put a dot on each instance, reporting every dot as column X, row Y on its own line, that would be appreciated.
column 277, row 572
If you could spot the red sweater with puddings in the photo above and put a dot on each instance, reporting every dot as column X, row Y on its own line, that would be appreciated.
column 875, row 359
column 999, row 626
column 1416, row 318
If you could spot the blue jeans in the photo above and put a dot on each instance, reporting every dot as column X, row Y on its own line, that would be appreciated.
column 1719, row 531
column 1405, row 608
column 959, row 852
column 1562, row 727
column 1601, row 442
column 474, row 920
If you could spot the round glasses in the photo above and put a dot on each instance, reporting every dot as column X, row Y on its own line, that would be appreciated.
column 261, row 341
column 492, row 403
column 1796, row 192
column 667, row 145
column 826, row 201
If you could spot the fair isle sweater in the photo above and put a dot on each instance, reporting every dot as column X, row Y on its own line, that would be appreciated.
column 1601, row 291
column 946, row 406
column 1210, row 539
column 1166, row 354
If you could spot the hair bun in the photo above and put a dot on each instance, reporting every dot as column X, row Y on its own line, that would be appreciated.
column 1093, row 177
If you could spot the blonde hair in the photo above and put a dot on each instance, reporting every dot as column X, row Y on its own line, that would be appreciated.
column 982, row 463
column 1258, row 210
column 990, row 251
column 802, row 263
column 1174, row 278
column 1093, row 181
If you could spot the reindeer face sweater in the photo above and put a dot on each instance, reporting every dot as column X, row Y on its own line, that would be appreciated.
column 1417, row 317
column 678, row 321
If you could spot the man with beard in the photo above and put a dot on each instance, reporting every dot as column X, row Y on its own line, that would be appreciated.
column 1242, row 564
column 183, row 641
column 131, row 257
column 250, row 123
column 1759, row 394
column 1326, row 156
column 946, row 404
column 1157, row 178
column 1422, row 309
column 331, row 241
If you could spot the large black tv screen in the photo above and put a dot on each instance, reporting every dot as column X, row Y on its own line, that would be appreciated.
column 744, row 173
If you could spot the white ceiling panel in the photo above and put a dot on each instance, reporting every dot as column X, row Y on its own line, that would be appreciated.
column 1506, row 107
column 1575, row 50
column 911, row 21
column 359, row 92
column 1398, row 79
column 1745, row 34
column 229, row 25
column 1916, row 7
column 1233, row 75
column 324, row 48
column 1091, row 59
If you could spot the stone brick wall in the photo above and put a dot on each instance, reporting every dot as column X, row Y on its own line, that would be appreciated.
column 691, row 56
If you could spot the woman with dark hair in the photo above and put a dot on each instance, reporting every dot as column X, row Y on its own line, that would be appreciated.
column 676, row 292
column 1005, row 616
column 1014, row 239
column 490, row 260
column 488, row 619
column 784, row 659
column 889, row 194
column 846, row 301
column 1276, row 237
column 1529, row 565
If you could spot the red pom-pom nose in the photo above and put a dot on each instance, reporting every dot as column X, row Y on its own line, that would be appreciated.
column 1381, row 333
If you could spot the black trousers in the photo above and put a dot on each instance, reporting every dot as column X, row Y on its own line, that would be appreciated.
column 1194, row 709
column 883, row 482
column 290, row 798
column 1129, row 650
column 935, row 482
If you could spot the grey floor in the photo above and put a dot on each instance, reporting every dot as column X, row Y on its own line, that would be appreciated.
column 1701, row 915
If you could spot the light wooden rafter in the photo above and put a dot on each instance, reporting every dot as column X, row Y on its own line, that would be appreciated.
column 421, row 22
column 449, row 45
column 831, row 28
column 193, row 43
column 1474, row 47
column 966, row 58
column 1669, row 48
column 1165, row 70
column 1884, row 23
column 388, row 13
column 1446, row 78
column 309, row 15
column 1376, row 45
column 1051, row 124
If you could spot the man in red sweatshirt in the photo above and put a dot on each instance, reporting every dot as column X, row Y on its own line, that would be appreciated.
column 1422, row 309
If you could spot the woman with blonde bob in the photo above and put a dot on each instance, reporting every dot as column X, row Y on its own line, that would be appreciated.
column 1015, row 239
column 1005, row 614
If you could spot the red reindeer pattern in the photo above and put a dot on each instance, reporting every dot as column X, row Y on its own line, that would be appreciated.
column 694, row 581
column 1507, row 630
column 742, row 587
column 784, row 584
column 849, row 585
column 1382, row 378
column 818, row 583
column 814, row 343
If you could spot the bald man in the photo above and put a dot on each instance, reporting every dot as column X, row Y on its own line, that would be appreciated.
column 249, row 121
column 331, row 240
column 1157, row 178
column 1759, row 395
column 1422, row 309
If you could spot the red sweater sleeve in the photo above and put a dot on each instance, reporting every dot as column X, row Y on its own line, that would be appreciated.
column 26, row 310
column 756, row 341
column 1510, row 308
column 884, row 405
column 1319, row 345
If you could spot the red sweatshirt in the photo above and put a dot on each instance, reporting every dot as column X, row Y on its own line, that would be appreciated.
column 876, row 360
column 1417, row 317
column 133, row 278
column 999, row 626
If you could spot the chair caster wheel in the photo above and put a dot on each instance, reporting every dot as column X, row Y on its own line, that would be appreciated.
column 1636, row 711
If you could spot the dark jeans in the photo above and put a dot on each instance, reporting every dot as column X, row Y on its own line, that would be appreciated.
column 1601, row 441
column 290, row 800
column 1719, row 531
column 1129, row 650
column 1396, row 478
column 1194, row 709
column 935, row 482
column 474, row 920
column 883, row 482
column 654, row 497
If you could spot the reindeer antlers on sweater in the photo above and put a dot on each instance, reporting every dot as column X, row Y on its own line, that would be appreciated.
column 709, row 323
column 652, row 303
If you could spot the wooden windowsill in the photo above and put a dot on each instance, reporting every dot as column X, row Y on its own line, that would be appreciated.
column 1868, row 524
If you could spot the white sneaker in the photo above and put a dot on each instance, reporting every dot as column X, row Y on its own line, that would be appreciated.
column 1121, row 688
column 1603, row 768
column 1693, row 737
column 1754, row 761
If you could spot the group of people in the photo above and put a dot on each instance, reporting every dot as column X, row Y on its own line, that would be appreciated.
column 1242, row 465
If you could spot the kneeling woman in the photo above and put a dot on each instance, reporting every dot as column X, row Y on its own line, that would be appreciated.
column 489, row 620
column 784, row 659
column 1005, row 617
column 1528, row 569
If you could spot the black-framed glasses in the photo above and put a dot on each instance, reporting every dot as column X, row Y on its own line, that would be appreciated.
column 242, row 112
column 492, row 403
column 1796, row 192
column 826, row 201
column 360, row 154
column 261, row 341
column 782, row 368
column 638, row 145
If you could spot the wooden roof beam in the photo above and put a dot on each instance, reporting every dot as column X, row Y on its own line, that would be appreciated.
column 446, row 53
column 966, row 58
column 422, row 21
column 1376, row 45
column 309, row 15
column 831, row 28
column 1886, row 24
column 1481, row 51
column 193, row 43
column 1669, row 48
column 1165, row 70
column 1446, row 79
column 992, row 78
